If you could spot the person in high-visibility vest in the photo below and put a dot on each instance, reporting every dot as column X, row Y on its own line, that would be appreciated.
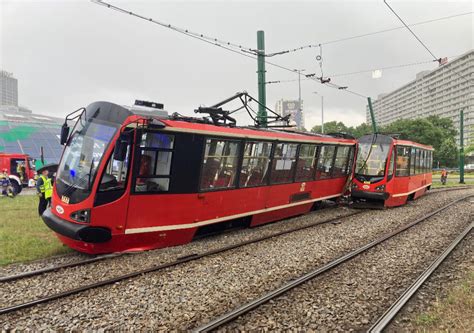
column 44, row 189
column 444, row 176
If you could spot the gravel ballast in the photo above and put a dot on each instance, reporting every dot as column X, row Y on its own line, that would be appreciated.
column 185, row 296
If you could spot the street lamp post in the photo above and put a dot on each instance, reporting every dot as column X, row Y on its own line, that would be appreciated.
column 299, row 116
column 322, row 112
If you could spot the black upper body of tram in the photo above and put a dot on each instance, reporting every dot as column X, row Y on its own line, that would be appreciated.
column 95, row 129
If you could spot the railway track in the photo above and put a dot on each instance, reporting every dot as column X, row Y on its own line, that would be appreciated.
column 383, row 321
column 95, row 259
column 178, row 261
column 242, row 310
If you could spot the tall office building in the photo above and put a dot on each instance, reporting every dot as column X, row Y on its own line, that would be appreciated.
column 292, row 108
column 8, row 89
column 443, row 92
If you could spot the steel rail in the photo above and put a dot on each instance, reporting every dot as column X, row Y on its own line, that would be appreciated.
column 58, row 267
column 45, row 270
column 160, row 267
column 383, row 321
column 40, row 271
column 234, row 314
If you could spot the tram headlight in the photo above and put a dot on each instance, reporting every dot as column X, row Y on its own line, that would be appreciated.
column 354, row 186
column 380, row 188
column 82, row 216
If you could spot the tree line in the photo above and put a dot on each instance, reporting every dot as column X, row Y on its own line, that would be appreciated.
column 435, row 131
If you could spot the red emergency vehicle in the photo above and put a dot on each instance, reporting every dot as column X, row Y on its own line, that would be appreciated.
column 20, row 169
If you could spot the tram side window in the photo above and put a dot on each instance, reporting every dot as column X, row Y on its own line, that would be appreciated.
column 255, row 164
column 350, row 161
column 392, row 163
column 325, row 162
column 306, row 164
column 425, row 158
column 219, row 168
column 412, row 161
column 155, row 155
column 403, row 157
column 430, row 161
column 340, row 163
column 283, row 164
column 418, row 161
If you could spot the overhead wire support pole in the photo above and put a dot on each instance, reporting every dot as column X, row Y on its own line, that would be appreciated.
column 372, row 115
column 461, row 147
column 262, row 96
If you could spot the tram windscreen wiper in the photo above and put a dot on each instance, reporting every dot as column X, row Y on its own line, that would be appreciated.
column 90, row 174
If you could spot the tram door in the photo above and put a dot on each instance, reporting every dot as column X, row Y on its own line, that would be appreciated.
column 111, row 203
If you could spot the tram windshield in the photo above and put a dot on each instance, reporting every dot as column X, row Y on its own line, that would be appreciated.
column 372, row 158
column 82, row 157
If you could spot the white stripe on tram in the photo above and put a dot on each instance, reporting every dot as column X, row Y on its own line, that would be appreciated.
column 220, row 219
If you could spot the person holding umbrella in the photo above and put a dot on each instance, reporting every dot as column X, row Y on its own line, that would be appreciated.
column 44, row 189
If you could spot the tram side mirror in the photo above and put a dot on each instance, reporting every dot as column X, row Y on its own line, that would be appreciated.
column 120, row 150
column 64, row 134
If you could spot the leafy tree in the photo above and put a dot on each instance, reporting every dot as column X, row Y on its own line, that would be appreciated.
column 331, row 127
column 447, row 153
column 360, row 130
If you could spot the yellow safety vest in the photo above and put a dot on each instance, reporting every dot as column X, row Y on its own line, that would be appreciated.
column 46, row 188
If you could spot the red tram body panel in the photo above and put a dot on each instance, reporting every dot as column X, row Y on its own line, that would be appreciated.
column 390, row 171
column 132, row 178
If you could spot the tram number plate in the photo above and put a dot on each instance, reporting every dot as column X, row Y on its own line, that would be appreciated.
column 65, row 199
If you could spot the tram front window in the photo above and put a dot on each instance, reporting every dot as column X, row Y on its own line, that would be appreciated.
column 81, row 159
column 372, row 158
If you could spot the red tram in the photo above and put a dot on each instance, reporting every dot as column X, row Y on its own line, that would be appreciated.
column 390, row 171
column 134, row 178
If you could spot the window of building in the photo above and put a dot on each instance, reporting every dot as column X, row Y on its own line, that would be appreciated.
column 403, row 158
column 283, row 165
column 325, row 162
column 154, row 167
column 340, row 163
column 305, row 167
column 255, row 164
column 219, row 167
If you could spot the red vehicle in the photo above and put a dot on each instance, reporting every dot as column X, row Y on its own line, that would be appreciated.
column 20, row 168
column 390, row 171
column 133, row 178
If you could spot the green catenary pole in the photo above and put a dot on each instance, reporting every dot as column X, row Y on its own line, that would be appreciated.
column 372, row 116
column 262, row 98
column 461, row 149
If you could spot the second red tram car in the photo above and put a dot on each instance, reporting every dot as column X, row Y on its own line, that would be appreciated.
column 133, row 178
column 390, row 171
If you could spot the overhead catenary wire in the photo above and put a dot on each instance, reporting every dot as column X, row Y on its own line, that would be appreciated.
column 344, row 39
column 439, row 60
column 411, row 31
column 216, row 42
column 180, row 30
column 359, row 72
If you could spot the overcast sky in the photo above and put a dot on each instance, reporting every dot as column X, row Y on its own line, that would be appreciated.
column 67, row 54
